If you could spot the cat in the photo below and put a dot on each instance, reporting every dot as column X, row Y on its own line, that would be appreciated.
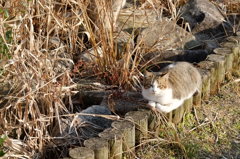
column 166, row 90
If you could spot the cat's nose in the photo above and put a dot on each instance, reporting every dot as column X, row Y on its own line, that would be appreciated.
column 153, row 90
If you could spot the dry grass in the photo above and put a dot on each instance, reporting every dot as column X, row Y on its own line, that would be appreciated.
column 37, row 75
column 38, row 43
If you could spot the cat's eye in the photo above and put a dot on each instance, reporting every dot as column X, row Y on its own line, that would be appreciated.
column 148, row 85
column 162, row 86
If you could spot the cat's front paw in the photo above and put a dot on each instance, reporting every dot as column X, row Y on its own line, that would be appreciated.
column 152, row 104
column 162, row 108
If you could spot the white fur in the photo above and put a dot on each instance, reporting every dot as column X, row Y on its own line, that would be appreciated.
column 171, row 66
column 162, row 99
column 168, row 108
column 152, row 104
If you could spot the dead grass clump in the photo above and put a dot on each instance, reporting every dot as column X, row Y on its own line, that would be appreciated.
column 44, row 34
column 233, row 6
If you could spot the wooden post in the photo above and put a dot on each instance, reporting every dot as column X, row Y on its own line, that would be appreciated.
column 128, row 130
column 114, row 138
column 197, row 98
column 206, row 85
column 228, row 54
column 235, row 39
column 206, row 69
column 170, row 116
column 236, row 61
column 226, row 45
column 219, row 61
column 188, row 104
column 235, row 58
column 229, row 63
column 213, row 81
column 152, row 121
column 81, row 153
column 99, row 146
column 156, row 119
column 140, row 119
column 178, row 114
column 235, row 50
column 238, row 48
column 216, row 70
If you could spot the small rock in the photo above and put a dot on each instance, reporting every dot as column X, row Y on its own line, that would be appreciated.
column 207, row 41
column 123, row 102
column 87, row 126
column 164, row 40
column 61, row 58
column 99, row 122
column 164, row 35
column 155, row 58
column 124, row 42
column 91, row 54
column 202, row 15
column 105, row 12
column 137, row 18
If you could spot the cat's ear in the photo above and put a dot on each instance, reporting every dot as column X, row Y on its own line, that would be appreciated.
column 147, row 73
column 165, row 75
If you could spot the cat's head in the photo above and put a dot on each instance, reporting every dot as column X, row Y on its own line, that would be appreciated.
column 155, row 82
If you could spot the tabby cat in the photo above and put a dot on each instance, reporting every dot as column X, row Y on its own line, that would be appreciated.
column 166, row 90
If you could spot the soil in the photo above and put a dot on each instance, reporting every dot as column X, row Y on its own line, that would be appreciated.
column 212, row 131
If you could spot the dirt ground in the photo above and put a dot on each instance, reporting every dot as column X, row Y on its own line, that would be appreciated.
column 212, row 131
